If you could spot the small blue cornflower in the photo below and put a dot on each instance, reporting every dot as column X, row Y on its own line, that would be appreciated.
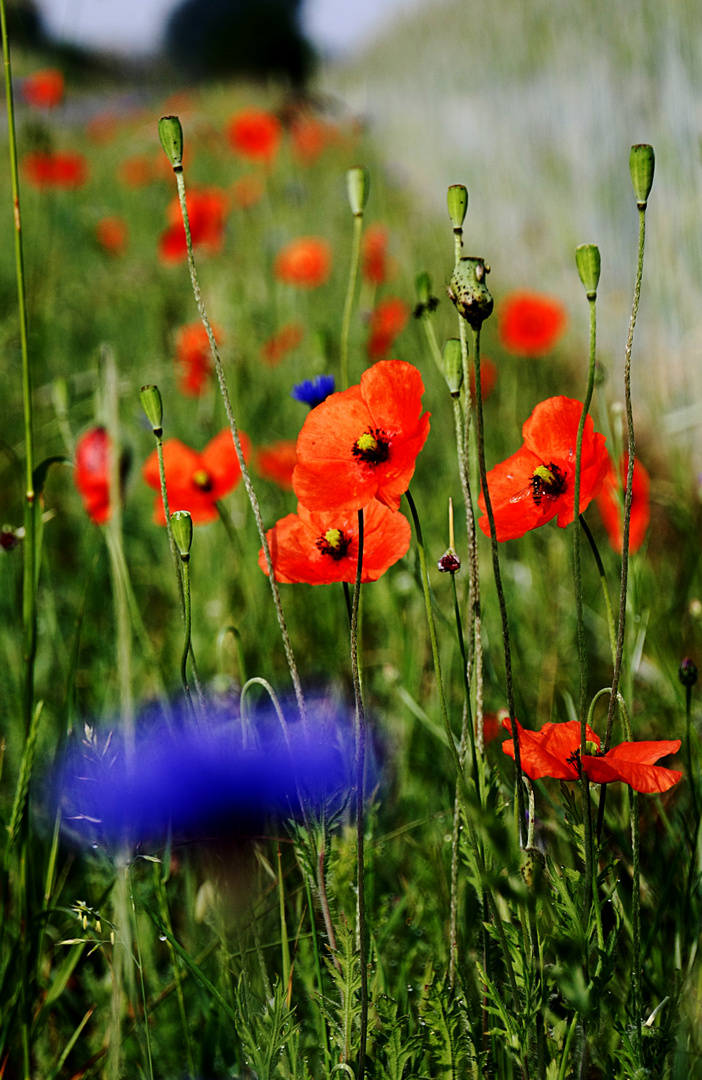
column 312, row 392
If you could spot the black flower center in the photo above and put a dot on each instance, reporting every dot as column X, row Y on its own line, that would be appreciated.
column 334, row 543
column 373, row 447
column 202, row 480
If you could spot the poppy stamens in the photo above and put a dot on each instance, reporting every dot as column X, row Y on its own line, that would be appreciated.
column 373, row 447
column 334, row 543
column 202, row 480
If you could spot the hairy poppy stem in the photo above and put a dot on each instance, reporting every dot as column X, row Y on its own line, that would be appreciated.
column 360, row 804
column 348, row 303
column 521, row 810
column 245, row 475
column 188, row 628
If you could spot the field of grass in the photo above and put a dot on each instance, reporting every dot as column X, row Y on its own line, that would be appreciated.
column 501, row 927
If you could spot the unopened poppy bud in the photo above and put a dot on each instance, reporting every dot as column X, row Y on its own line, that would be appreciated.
column 358, row 188
column 153, row 407
column 170, row 133
column 587, row 260
column 182, row 526
column 457, row 199
column 422, row 284
column 453, row 366
column 450, row 562
column 642, row 162
column 687, row 672
column 469, row 292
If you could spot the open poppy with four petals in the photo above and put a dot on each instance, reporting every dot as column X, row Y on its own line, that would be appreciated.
column 537, row 483
column 196, row 481
column 362, row 443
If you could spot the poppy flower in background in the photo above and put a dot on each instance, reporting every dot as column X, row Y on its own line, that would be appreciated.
column 319, row 548
column 55, row 168
column 112, row 234
column 555, row 751
column 362, row 443
column 91, row 473
column 255, row 135
column 277, row 462
column 530, row 324
column 488, row 377
column 313, row 392
column 387, row 321
column 610, row 503
column 277, row 347
column 196, row 481
column 102, row 128
column 136, row 171
column 375, row 263
column 207, row 208
column 310, row 137
column 536, row 484
column 193, row 358
column 305, row 262
column 44, row 89
column 247, row 191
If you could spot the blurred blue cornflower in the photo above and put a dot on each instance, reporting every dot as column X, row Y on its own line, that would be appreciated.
column 312, row 392
column 205, row 781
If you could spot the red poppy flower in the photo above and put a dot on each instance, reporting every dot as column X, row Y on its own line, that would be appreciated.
column 102, row 128
column 49, row 168
column 277, row 462
column 530, row 324
column 137, row 171
column 488, row 378
column 536, row 484
column 196, row 481
column 305, row 262
column 375, row 264
column 193, row 358
column 247, row 191
column 255, row 135
column 91, row 473
column 610, row 503
column 207, row 208
column 555, row 751
column 387, row 321
column 112, row 235
column 310, row 137
column 362, row 443
column 318, row 548
column 44, row 89
column 277, row 347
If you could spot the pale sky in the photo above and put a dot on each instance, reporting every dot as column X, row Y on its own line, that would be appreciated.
column 135, row 26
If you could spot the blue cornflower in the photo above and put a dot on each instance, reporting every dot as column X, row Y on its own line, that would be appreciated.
column 312, row 392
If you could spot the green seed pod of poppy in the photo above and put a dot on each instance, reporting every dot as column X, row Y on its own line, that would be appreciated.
column 453, row 366
column 642, row 161
column 170, row 133
column 457, row 200
column 469, row 292
column 422, row 284
column 182, row 526
column 153, row 407
column 358, row 188
column 587, row 260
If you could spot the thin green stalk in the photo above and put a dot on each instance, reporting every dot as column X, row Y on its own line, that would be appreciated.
column 318, row 970
column 466, row 688
column 360, row 805
column 140, row 965
column 348, row 303
column 185, row 559
column 246, row 477
column 605, row 587
column 284, row 942
column 177, row 975
column 521, row 811
column 167, row 511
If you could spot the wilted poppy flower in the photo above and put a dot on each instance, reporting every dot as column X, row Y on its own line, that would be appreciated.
column 55, row 168
column 362, row 443
column 610, row 503
column 196, row 481
column 193, row 357
column 91, row 473
column 44, row 89
column 305, row 262
column 277, row 462
column 313, row 392
column 207, row 208
column 247, row 191
column 488, row 377
column 536, row 484
column 319, row 548
column 555, row 751
column 112, row 235
column 136, row 171
column 375, row 264
column 255, row 135
column 310, row 137
column 530, row 324
column 277, row 347
column 387, row 321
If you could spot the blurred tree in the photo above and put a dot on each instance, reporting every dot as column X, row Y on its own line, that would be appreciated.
column 23, row 22
column 255, row 38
